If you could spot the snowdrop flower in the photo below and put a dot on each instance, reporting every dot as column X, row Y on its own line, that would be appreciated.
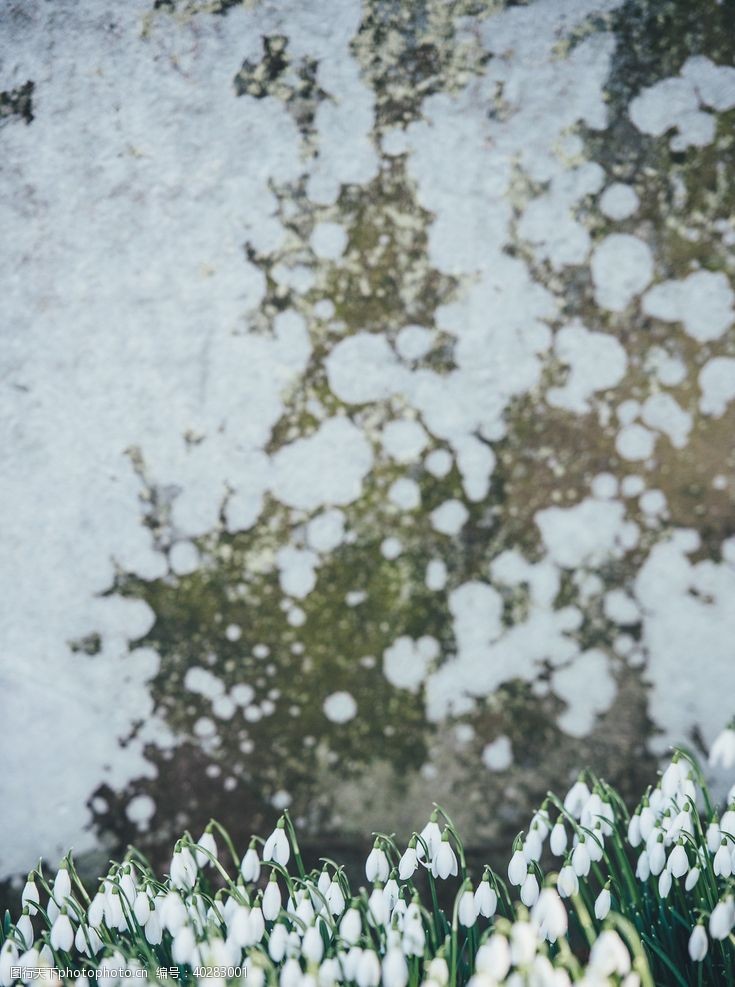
column 558, row 839
column 350, row 927
column 541, row 823
column 444, row 861
column 523, row 943
column 409, row 861
column 609, row 956
column 493, row 957
column 581, row 858
column 173, row 912
column 305, row 909
column 727, row 823
column 634, row 829
column 698, row 944
column 672, row 777
column 368, row 969
column 184, row 947
column 62, row 934
column 438, row 971
column 533, row 847
column 517, row 868
column 206, row 845
column 390, row 892
column 692, row 878
column 529, row 889
column 154, row 929
column 271, row 899
column 602, row 904
column 277, row 846
column 29, row 898
column 647, row 820
column 329, row 974
column 335, row 897
column 664, row 883
column 8, row 959
column 277, row 942
column 567, row 883
column 29, row 960
column 24, row 928
column 576, row 798
column 722, row 864
column 550, row 915
column 643, row 867
column 467, row 910
column 722, row 918
column 377, row 905
column 678, row 862
column 312, row 946
column 486, row 900
column 290, row 973
column 431, row 836
column 714, row 836
column 250, row 865
column 722, row 753
column 377, row 867
column 395, row 968
column 414, row 937
column 657, row 857
column 257, row 925
column 183, row 869
column 141, row 907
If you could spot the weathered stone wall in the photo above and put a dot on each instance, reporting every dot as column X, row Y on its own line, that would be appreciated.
column 368, row 379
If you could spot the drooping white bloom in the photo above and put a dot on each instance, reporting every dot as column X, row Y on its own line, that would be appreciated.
column 533, row 847
column 576, row 799
column 335, row 897
column 444, row 861
column 8, row 959
column 657, row 857
column 567, row 883
column 643, row 867
column 558, row 839
column 141, row 907
column 250, row 866
column 312, row 945
column 722, row 918
column 62, row 934
column 647, row 820
column 602, row 904
column 493, row 957
column 634, row 830
column 486, row 900
column 692, row 878
column 664, row 883
column 154, row 929
column 550, row 915
column 408, row 863
column 271, row 899
column 395, row 968
column 291, row 974
column 173, row 912
column 257, row 925
column 714, row 836
column 529, row 890
column 523, row 943
column 722, row 753
column 377, row 867
column 609, row 956
column 184, row 946
column 351, row 926
column 698, row 944
column 378, row 907
column 431, row 836
column 467, row 910
column 517, row 868
column 438, row 971
column 24, row 928
column 581, row 859
column 368, row 969
column 206, row 845
column 722, row 864
column 277, row 846
column 29, row 898
column 277, row 942
column 390, row 893
column 183, row 869
column 678, row 862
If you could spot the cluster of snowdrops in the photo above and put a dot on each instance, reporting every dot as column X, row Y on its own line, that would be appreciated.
column 592, row 895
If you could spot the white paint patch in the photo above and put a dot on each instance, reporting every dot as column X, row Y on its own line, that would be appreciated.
column 588, row 689
column 621, row 267
column 660, row 411
column 363, row 368
column 619, row 201
column 438, row 463
column 404, row 440
column 702, row 302
column 449, row 518
column 405, row 494
column 587, row 534
column 635, row 442
column 328, row 241
column 296, row 571
column 596, row 362
column 498, row 755
column 717, row 384
column 326, row 531
column 406, row 661
column 668, row 369
column 340, row 707
column 413, row 342
column 183, row 558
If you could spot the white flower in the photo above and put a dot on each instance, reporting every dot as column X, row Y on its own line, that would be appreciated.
column 154, row 929
column 206, row 843
column 257, row 925
column 609, row 955
column 647, row 820
column 351, row 926
column 368, row 969
column 432, row 836
column 722, row 753
column 29, row 898
column 493, row 957
column 643, row 867
column 714, row 836
column 184, row 946
column 173, row 912
column 183, row 869
column 602, row 904
column 672, row 777
column 141, row 908
column 467, row 910
column 486, row 900
column 335, row 897
column 24, row 928
column 692, row 878
column 698, row 944
column 657, row 857
column 378, row 907
column 377, row 867
column 408, row 863
column 722, row 864
column 291, row 974
column 678, row 861
column 62, row 885
column 271, row 899
column 277, row 846
column 8, row 959
column 550, row 915
column 250, row 866
column 558, row 839
column 576, row 799
column 533, row 846
column 567, row 883
column 414, row 937
column 581, row 859
column 523, row 943
column 517, row 868
column 62, row 934
column 529, row 890
column 634, row 830
column 444, row 861
column 722, row 918
column 312, row 946
column 390, row 893
column 395, row 968
column 664, row 883
column 277, row 942
column 438, row 971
